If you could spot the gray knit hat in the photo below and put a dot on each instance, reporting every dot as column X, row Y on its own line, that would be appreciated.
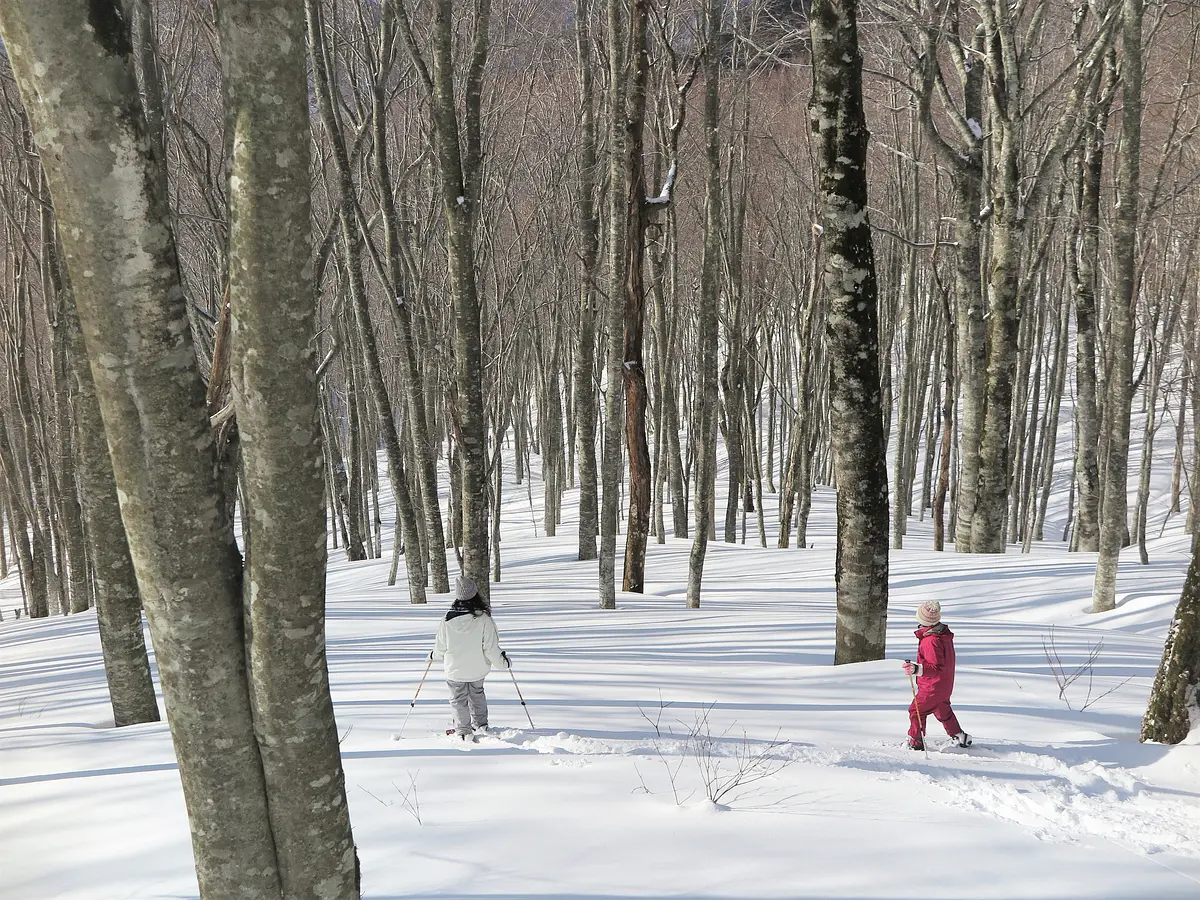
column 464, row 588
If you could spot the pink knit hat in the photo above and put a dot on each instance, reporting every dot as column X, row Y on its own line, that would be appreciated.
column 929, row 612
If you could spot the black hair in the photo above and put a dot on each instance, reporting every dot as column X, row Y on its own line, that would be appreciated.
column 475, row 605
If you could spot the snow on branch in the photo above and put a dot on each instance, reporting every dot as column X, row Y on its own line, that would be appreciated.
column 668, row 188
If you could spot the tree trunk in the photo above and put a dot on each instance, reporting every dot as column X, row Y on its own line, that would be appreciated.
column 352, row 246
column 1172, row 704
column 1087, row 441
column 708, row 324
column 118, row 603
column 633, row 367
column 414, row 384
column 459, row 161
column 852, row 327
column 75, row 72
column 618, row 237
column 273, row 374
column 588, row 227
column 1113, row 511
column 69, row 509
column 1004, row 317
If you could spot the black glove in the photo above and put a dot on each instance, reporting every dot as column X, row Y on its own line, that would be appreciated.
column 507, row 661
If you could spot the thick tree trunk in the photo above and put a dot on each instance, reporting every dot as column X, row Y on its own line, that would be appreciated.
column 118, row 603
column 1172, row 703
column 852, row 328
column 273, row 374
column 75, row 72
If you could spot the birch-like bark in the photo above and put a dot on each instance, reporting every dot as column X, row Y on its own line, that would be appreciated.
column 587, row 224
column 118, row 603
column 1114, row 509
column 960, row 149
column 1087, row 407
column 75, row 72
column 1003, row 311
column 65, row 472
column 459, row 164
column 708, row 313
column 618, row 236
column 1172, row 705
column 852, row 329
column 273, row 374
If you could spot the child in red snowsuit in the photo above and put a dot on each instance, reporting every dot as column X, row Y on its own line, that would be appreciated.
column 934, row 669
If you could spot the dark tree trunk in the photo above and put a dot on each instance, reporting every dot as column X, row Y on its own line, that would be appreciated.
column 634, row 367
column 1173, row 697
column 852, row 333
column 588, row 227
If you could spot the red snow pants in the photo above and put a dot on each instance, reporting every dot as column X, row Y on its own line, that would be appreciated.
column 930, row 704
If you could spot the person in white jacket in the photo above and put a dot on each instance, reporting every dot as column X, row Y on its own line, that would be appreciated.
column 469, row 646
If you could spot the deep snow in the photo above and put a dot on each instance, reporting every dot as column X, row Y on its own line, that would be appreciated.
column 605, row 798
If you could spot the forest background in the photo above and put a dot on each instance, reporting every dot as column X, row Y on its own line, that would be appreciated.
column 609, row 236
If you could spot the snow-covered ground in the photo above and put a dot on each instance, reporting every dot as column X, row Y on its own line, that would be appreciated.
column 641, row 713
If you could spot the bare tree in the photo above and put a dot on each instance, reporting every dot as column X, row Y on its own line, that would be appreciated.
column 273, row 373
column 852, row 329
column 1114, row 508
column 76, row 74
column 708, row 319
column 588, row 228
column 1172, row 704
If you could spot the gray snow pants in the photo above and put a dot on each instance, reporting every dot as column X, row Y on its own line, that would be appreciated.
column 469, row 705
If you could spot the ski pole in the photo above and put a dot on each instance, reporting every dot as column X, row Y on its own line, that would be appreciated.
column 522, row 699
column 413, row 705
column 913, row 684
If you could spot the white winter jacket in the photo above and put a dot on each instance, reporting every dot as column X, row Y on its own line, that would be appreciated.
column 469, row 646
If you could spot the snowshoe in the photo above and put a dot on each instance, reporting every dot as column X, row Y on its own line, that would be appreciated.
column 962, row 739
column 916, row 744
column 465, row 738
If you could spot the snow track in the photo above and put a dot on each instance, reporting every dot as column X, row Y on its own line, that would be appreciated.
column 1051, row 799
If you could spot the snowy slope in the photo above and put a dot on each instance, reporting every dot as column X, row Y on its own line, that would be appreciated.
column 606, row 797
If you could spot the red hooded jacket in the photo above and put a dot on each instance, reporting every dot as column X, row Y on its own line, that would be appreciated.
column 935, row 653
